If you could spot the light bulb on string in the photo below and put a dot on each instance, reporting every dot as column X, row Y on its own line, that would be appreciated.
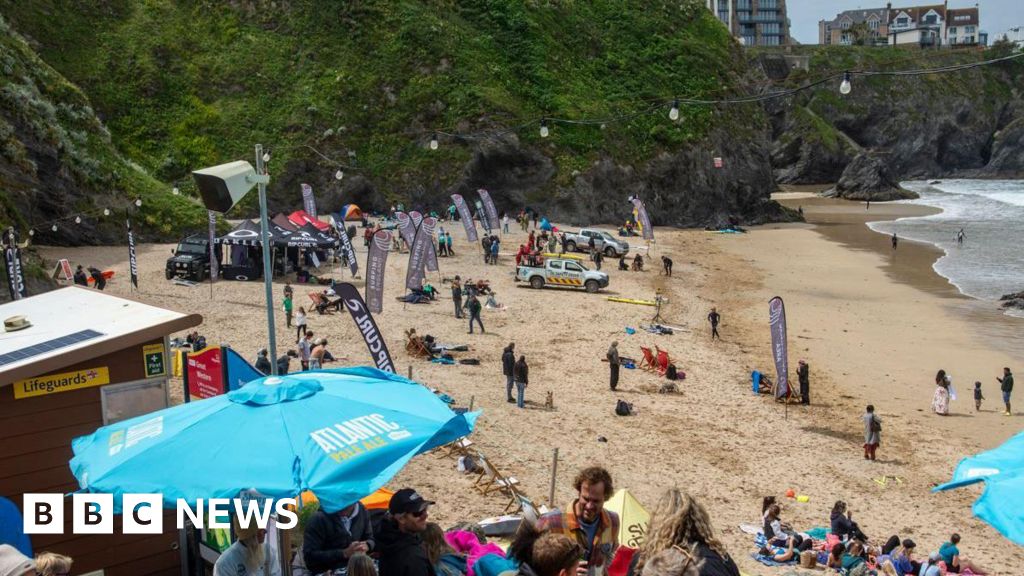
column 78, row 219
column 544, row 128
column 673, row 113
column 106, row 211
column 54, row 227
column 266, row 156
column 339, row 175
column 433, row 141
column 31, row 232
column 138, row 202
column 845, row 87
column 175, row 191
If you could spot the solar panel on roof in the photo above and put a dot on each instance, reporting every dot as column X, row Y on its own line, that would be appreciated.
column 48, row 346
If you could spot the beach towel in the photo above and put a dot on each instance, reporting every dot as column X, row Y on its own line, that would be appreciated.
column 818, row 532
column 767, row 561
column 445, row 361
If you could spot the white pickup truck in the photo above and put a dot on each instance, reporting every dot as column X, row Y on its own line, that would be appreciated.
column 603, row 241
column 562, row 272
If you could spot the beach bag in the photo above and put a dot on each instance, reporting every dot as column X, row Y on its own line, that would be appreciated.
column 622, row 408
column 468, row 465
column 808, row 559
column 671, row 372
column 470, row 361
column 876, row 426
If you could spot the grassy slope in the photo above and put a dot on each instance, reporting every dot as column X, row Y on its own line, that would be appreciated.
column 41, row 110
column 188, row 84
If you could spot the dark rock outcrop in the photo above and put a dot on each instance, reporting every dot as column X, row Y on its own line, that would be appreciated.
column 1013, row 300
column 868, row 178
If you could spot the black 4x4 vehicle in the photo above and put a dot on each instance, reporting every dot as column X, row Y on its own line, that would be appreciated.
column 191, row 259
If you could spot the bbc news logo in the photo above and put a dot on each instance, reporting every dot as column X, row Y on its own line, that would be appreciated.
column 144, row 514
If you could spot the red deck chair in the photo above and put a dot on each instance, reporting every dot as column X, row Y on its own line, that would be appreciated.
column 662, row 361
column 648, row 362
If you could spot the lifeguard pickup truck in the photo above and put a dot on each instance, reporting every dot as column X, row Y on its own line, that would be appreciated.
column 603, row 241
column 562, row 272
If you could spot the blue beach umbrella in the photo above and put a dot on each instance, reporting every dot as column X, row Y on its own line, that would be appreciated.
column 1002, row 470
column 341, row 433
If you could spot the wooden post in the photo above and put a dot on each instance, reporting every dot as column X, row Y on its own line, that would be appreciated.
column 410, row 371
column 554, row 472
column 471, row 399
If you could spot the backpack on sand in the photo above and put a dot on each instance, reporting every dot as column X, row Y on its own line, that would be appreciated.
column 623, row 408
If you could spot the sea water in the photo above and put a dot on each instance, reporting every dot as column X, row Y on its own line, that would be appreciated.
column 990, row 262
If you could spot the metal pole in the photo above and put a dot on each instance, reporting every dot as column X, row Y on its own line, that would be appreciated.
column 267, row 272
column 554, row 472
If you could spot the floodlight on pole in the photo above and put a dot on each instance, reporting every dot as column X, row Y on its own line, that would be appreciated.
column 223, row 186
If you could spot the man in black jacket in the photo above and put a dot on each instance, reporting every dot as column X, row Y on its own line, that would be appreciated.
column 331, row 539
column 399, row 543
column 803, row 374
column 508, row 362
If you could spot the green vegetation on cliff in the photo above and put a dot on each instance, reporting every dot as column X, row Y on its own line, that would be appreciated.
column 186, row 84
column 57, row 158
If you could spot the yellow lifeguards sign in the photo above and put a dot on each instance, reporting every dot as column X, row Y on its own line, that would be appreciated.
column 63, row 382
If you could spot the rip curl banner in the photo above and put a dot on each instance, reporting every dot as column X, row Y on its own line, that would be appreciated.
column 133, row 264
column 308, row 201
column 414, row 274
column 489, row 210
column 466, row 216
column 645, row 221
column 377, row 258
column 214, row 261
column 777, row 324
column 346, row 246
column 364, row 322
column 15, row 274
column 406, row 227
column 427, row 229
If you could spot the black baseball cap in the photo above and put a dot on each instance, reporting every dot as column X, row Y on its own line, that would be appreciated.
column 407, row 500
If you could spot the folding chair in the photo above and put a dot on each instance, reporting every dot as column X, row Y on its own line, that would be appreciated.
column 662, row 361
column 415, row 346
column 648, row 363
column 492, row 480
column 459, row 447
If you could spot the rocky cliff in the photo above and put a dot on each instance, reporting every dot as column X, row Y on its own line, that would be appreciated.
column 968, row 123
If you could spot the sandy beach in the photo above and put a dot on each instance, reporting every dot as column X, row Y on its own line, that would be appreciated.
column 874, row 327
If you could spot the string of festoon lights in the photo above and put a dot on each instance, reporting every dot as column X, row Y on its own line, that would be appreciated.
column 545, row 124
column 55, row 223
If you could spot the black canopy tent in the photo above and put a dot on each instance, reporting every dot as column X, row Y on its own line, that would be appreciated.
column 246, row 247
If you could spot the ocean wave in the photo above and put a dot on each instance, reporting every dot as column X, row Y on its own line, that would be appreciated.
column 991, row 213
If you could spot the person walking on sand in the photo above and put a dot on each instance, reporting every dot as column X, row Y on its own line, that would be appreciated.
column 1006, row 386
column 305, row 348
column 872, row 432
column 803, row 373
column 504, row 222
column 457, row 297
column 666, row 266
column 895, row 240
column 508, row 365
column 521, row 375
column 474, row 306
column 714, row 318
column 287, row 307
column 598, row 258
column 960, row 237
column 977, row 397
column 613, row 364
column 300, row 323
column 867, row 205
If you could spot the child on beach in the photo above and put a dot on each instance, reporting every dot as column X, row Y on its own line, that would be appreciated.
column 300, row 323
column 977, row 397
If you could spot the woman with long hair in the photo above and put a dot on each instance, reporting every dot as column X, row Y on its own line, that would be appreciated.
column 940, row 400
column 361, row 565
column 680, row 521
column 445, row 560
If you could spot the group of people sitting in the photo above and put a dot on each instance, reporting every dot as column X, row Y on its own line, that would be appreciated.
column 580, row 539
column 850, row 552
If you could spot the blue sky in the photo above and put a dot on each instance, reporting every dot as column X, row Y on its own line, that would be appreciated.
column 996, row 15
